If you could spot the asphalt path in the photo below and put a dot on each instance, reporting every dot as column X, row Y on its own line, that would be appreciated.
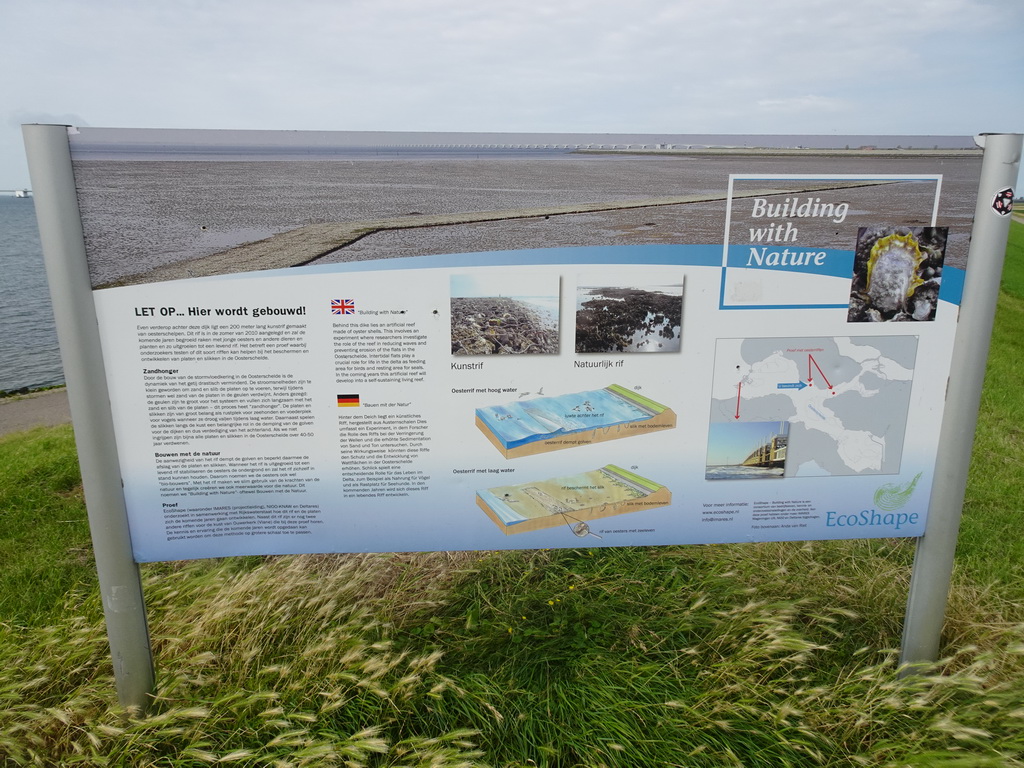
column 37, row 409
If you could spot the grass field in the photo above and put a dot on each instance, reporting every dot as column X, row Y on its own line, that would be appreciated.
column 746, row 655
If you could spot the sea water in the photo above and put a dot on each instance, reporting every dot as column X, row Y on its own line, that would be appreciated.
column 29, row 356
column 739, row 472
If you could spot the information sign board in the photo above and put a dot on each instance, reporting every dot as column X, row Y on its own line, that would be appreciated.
column 342, row 342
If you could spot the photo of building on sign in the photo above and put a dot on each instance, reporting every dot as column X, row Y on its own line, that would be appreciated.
column 747, row 450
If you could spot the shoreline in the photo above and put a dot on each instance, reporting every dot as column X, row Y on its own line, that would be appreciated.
column 39, row 408
column 24, row 391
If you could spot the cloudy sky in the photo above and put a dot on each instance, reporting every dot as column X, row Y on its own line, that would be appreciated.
column 674, row 66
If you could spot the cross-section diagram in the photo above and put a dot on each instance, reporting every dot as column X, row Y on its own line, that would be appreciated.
column 580, row 418
column 571, row 500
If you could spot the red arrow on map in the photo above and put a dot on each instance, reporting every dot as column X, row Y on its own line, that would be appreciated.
column 810, row 377
column 739, row 389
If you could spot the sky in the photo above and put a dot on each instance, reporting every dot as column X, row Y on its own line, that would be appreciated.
column 647, row 66
column 486, row 286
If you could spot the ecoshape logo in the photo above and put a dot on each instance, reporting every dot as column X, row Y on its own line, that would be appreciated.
column 871, row 518
column 888, row 498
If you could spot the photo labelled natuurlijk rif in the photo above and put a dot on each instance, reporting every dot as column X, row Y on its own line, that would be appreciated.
column 619, row 316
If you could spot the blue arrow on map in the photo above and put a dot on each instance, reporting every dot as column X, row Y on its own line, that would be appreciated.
column 791, row 385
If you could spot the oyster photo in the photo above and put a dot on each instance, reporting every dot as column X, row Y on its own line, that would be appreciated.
column 897, row 274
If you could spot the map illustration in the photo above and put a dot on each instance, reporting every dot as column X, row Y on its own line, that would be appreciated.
column 571, row 500
column 845, row 399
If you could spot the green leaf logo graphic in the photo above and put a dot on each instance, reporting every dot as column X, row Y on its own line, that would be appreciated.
column 891, row 496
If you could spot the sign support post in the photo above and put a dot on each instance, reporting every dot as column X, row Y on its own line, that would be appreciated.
column 933, row 560
column 60, row 227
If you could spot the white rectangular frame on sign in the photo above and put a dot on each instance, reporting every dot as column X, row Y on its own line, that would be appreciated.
column 860, row 177
column 75, row 312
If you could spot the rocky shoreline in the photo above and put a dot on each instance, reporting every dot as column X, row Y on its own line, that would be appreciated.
column 500, row 326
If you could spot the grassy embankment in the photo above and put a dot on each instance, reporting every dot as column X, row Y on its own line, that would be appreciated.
column 752, row 655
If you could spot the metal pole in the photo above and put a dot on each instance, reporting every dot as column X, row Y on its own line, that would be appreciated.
column 60, row 229
column 933, row 560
